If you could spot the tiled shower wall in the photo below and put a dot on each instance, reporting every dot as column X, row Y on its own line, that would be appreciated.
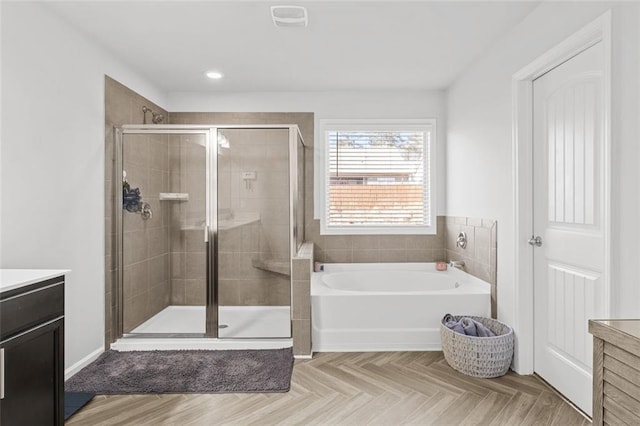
column 146, row 285
column 147, row 260
column 187, row 165
column 266, row 153
column 254, row 239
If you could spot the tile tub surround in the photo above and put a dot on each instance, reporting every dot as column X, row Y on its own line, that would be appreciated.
column 377, row 248
column 301, row 300
column 147, row 266
column 480, row 255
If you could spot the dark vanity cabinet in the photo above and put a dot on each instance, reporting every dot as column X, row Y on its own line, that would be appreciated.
column 32, row 354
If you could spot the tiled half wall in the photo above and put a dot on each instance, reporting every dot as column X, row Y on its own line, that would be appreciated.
column 301, row 300
column 480, row 254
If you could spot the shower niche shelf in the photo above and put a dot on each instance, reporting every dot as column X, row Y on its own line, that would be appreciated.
column 174, row 196
column 271, row 265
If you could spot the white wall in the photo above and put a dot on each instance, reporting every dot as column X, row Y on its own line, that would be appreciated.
column 479, row 151
column 52, row 160
column 326, row 105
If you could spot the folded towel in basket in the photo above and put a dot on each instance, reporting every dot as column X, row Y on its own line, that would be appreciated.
column 455, row 326
column 467, row 326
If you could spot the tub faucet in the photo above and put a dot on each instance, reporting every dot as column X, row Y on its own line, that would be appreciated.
column 457, row 264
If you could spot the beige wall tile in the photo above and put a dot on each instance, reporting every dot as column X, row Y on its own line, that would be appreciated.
column 158, row 298
column 278, row 291
column 132, row 222
column 157, row 241
column 118, row 104
column 425, row 255
column 194, row 239
column 250, row 238
column 230, row 240
column 439, row 255
column 177, row 240
column 301, row 303
column 366, row 256
column 418, row 242
column 158, row 269
column 156, row 183
column 336, row 256
column 393, row 255
column 337, row 242
column 365, row 242
column 301, row 337
column 135, row 247
column 134, row 312
column 228, row 293
column 196, row 292
column 392, row 242
column 195, row 265
column 301, row 269
column 136, row 279
column 251, row 292
column 178, row 292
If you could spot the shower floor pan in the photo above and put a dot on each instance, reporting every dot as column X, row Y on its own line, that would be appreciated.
column 241, row 327
column 234, row 321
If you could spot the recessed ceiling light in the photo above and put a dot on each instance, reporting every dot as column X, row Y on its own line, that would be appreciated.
column 289, row 16
column 214, row 75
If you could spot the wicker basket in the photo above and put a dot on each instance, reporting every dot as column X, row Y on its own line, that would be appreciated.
column 483, row 357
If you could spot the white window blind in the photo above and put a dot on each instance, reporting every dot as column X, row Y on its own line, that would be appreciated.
column 378, row 178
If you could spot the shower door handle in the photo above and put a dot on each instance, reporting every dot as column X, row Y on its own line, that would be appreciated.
column 206, row 233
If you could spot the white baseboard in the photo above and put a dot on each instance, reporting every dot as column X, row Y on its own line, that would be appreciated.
column 69, row 372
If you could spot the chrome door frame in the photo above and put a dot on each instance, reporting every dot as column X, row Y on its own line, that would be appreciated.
column 210, row 133
column 210, row 229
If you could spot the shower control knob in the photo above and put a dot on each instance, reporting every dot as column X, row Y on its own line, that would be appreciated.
column 535, row 240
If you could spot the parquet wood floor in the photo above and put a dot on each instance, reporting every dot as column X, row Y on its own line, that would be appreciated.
column 370, row 388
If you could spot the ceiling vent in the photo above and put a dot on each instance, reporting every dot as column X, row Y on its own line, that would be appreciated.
column 289, row 16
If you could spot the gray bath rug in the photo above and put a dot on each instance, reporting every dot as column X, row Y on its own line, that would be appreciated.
column 223, row 371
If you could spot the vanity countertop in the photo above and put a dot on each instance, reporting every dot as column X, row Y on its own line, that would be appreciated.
column 11, row 279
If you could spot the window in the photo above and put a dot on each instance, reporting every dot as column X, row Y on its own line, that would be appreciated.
column 378, row 177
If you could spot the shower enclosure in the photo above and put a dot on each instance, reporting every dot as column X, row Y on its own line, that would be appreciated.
column 208, row 218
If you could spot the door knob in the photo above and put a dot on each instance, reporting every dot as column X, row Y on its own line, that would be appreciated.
column 535, row 240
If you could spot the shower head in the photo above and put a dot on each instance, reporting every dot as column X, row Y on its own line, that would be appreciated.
column 155, row 118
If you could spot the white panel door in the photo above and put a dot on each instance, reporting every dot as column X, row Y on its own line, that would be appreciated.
column 568, row 216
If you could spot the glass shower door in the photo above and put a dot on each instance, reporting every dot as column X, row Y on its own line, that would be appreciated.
column 163, row 264
column 253, row 238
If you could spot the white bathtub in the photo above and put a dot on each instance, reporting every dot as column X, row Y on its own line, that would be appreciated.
column 389, row 306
